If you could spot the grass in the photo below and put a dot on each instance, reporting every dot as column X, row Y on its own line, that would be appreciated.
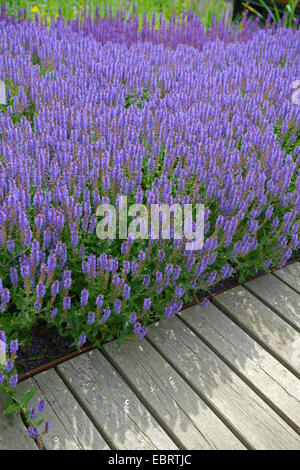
column 71, row 8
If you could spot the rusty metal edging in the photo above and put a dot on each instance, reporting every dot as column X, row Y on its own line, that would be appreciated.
column 56, row 362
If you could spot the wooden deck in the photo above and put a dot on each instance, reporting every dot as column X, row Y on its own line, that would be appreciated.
column 221, row 377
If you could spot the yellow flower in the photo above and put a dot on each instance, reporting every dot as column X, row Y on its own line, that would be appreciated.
column 35, row 9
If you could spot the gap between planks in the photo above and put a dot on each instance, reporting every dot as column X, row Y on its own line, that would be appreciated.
column 263, row 324
column 228, row 395
column 115, row 409
column 253, row 364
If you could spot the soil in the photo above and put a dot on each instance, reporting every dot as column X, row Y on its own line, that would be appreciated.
column 46, row 345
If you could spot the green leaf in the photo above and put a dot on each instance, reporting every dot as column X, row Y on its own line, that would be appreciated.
column 10, row 409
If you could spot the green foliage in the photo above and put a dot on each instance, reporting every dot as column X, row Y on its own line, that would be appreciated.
column 289, row 12
column 71, row 8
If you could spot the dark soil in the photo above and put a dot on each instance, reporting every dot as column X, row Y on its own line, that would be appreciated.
column 46, row 345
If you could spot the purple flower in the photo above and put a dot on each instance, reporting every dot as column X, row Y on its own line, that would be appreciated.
column 133, row 317
column 176, row 273
column 2, row 336
column 147, row 304
column 54, row 288
column 117, row 306
column 137, row 327
column 169, row 269
column 47, row 426
column 269, row 212
column 205, row 302
column 126, row 291
column 91, row 318
column 13, row 347
column 5, row 296
column 179, row 291
column 10, row 245
column 84, row 297
column 146, row 280
column 81, row 340
column 134, row 267
column 32, row 432
column 67, row 303
column 53, row 313
column 37, row 305
column 66, row 279
column 25, row 271
column 126, row 266
column 52, row 263
column 13, row 380
column 2, row 377
column 9, row 365
column 14, row 276
column 40, row 290
column 99, row 301
column 142, row 332
column 33, row 411
column 106, row 314
column 41, row 405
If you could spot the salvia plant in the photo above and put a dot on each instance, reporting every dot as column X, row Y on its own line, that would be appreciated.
column 18, row 403
column 100, row 109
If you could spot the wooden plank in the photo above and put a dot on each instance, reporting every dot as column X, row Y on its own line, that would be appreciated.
column 271, row 379
column 13, row 437
column 251, row 418
column 71, row 429
column 278, row 296
column 170, row 399
column 263, row 324
column 125, row 421
column 290, row 275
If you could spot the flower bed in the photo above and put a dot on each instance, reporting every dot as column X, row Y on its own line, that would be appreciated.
column 98, row 110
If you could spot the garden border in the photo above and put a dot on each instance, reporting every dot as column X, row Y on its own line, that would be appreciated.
column 71, row 355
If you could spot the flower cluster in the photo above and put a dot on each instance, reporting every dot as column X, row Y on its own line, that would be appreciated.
column 17, row 403
column 175, row 116
column 8, row 375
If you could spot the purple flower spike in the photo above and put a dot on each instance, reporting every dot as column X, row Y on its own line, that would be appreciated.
column 84, row 297
column 13, row 380
column 82, row 340
column 32, row 432
column 91, row 318
column 9, row 365
column 47, row 426
column 13, row 347
column 41, row 405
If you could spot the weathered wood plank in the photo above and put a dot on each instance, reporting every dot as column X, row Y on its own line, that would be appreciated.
column 71, row 429
column 278, row 296
column 290, row 275
column 170, row 399
column 115, row 408
column 13, row 437
column 278, row 386
column 254, row 421
column 263, row 324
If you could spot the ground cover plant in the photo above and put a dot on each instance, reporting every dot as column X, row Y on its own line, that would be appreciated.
column 97, row 110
